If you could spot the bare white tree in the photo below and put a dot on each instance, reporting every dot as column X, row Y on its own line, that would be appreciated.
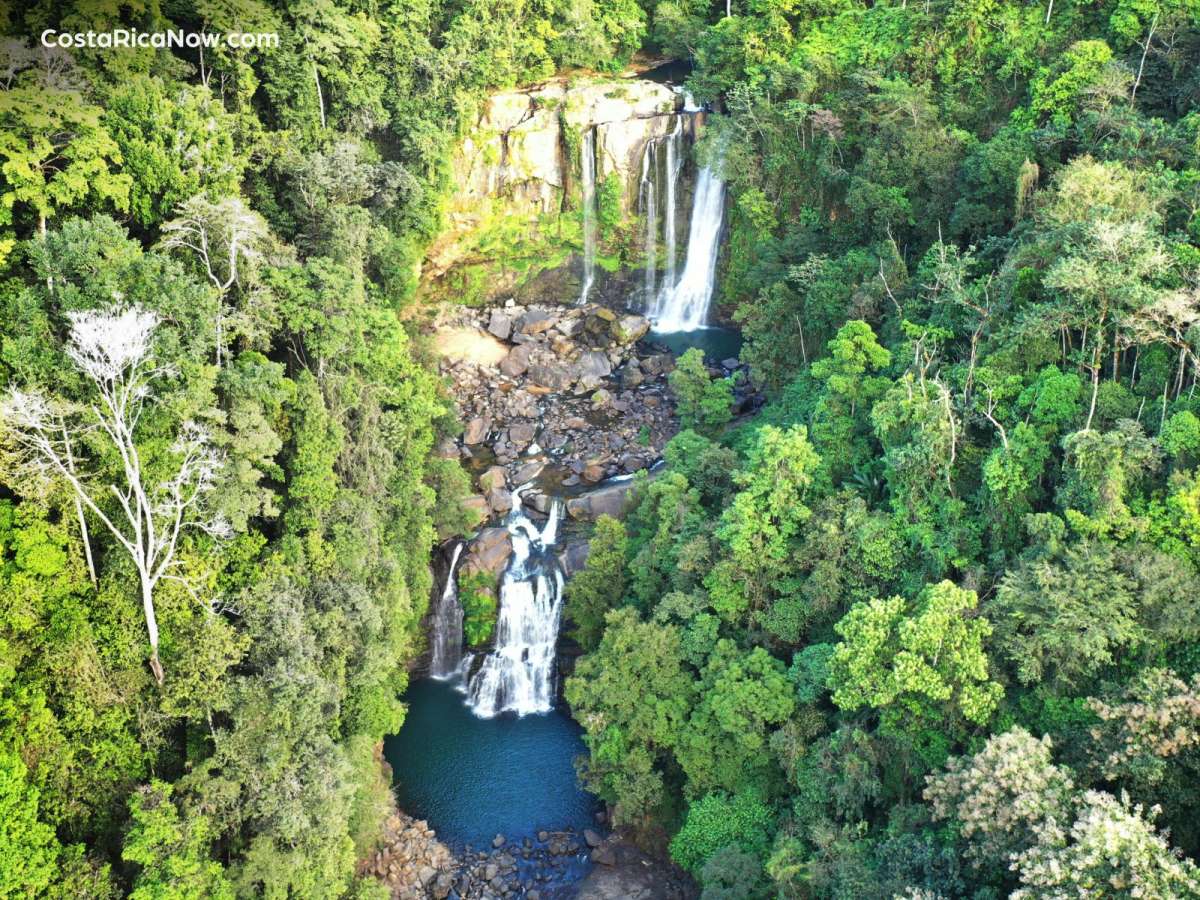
column 112, row 350
column 225, row 236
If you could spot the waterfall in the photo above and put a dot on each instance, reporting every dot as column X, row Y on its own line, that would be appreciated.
column 682, row 305
column 648, row 207
column 518, row 675
column 446, row 649
column 674, row 168
column 588, row 170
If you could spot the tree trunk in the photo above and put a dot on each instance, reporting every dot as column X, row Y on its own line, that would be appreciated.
column 320, row 96
column 151, row 626
column 1095, row 388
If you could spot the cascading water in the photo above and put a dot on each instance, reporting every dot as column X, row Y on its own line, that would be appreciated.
column 682, row 305
column 587, row 166
column 674, row 169
column 446, row 631
column 518, row 675
column 648, row 207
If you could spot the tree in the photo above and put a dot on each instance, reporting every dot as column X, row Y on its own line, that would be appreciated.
column 227, row 237
column 600, row 586
column 1156, row 723
column 28, row 848
column 740, row 697
column 112, row 351
column 632, row 696
column 733, row 874
column 999, row 797
column 722, row 820
column 853, row 355
column 703, row 402
column 54, row 151
column 1111, row 850
column 921, row 665
column 1061, row 619
column 173, row 145
column 173, row 853
column 761, row 526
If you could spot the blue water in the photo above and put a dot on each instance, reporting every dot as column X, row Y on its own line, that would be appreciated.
column 473, row 778
column 717, row 343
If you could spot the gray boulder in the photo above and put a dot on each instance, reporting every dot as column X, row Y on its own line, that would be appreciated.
column 610, row 500
column 535, row 321
column 517, row 361
column 500, row 325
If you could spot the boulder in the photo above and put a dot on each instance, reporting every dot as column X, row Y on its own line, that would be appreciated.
column 604, row 856
column 477, row 506
column 570, row 327
column 499, row 500
column 493, row 479
column 500, row 325
column 592, row 838
column 609, row 500
column 658, row 364
column 477, row 429
column 631, row 376
column 517, row 362
column 499, row 841
column 489, row 551
column 574, row 557
column 592, row 367
column 535, row 321
column 528, row 472
column 521, row 434
column 554, row 376
column 630, row 328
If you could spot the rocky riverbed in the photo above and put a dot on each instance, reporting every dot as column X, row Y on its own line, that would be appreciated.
column 553, row 865
column 563, row 397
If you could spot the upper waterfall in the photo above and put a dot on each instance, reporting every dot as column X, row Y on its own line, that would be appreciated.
column 682, row 305
column 648, row 207
column 587, row 166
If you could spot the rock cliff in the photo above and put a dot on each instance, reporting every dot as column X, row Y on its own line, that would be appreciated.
column 520, row 163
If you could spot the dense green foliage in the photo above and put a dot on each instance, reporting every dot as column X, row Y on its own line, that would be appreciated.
column 927, row 625
column 260, row 215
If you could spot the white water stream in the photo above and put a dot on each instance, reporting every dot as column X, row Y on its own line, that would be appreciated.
column 682, row 304
column 587, row 166
column 518, row 675
column 446, row 631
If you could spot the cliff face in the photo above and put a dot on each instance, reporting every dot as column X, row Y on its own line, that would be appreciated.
column 521, row 162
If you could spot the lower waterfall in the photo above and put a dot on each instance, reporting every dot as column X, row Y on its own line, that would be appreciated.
column 683, row 305
column 447, row 634
column 518, row 675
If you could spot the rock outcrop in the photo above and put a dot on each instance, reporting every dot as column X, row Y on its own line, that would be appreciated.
column 519, row 167
column 411, row 861
column 610, row 500
column 622, row 872
column 519, row 146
